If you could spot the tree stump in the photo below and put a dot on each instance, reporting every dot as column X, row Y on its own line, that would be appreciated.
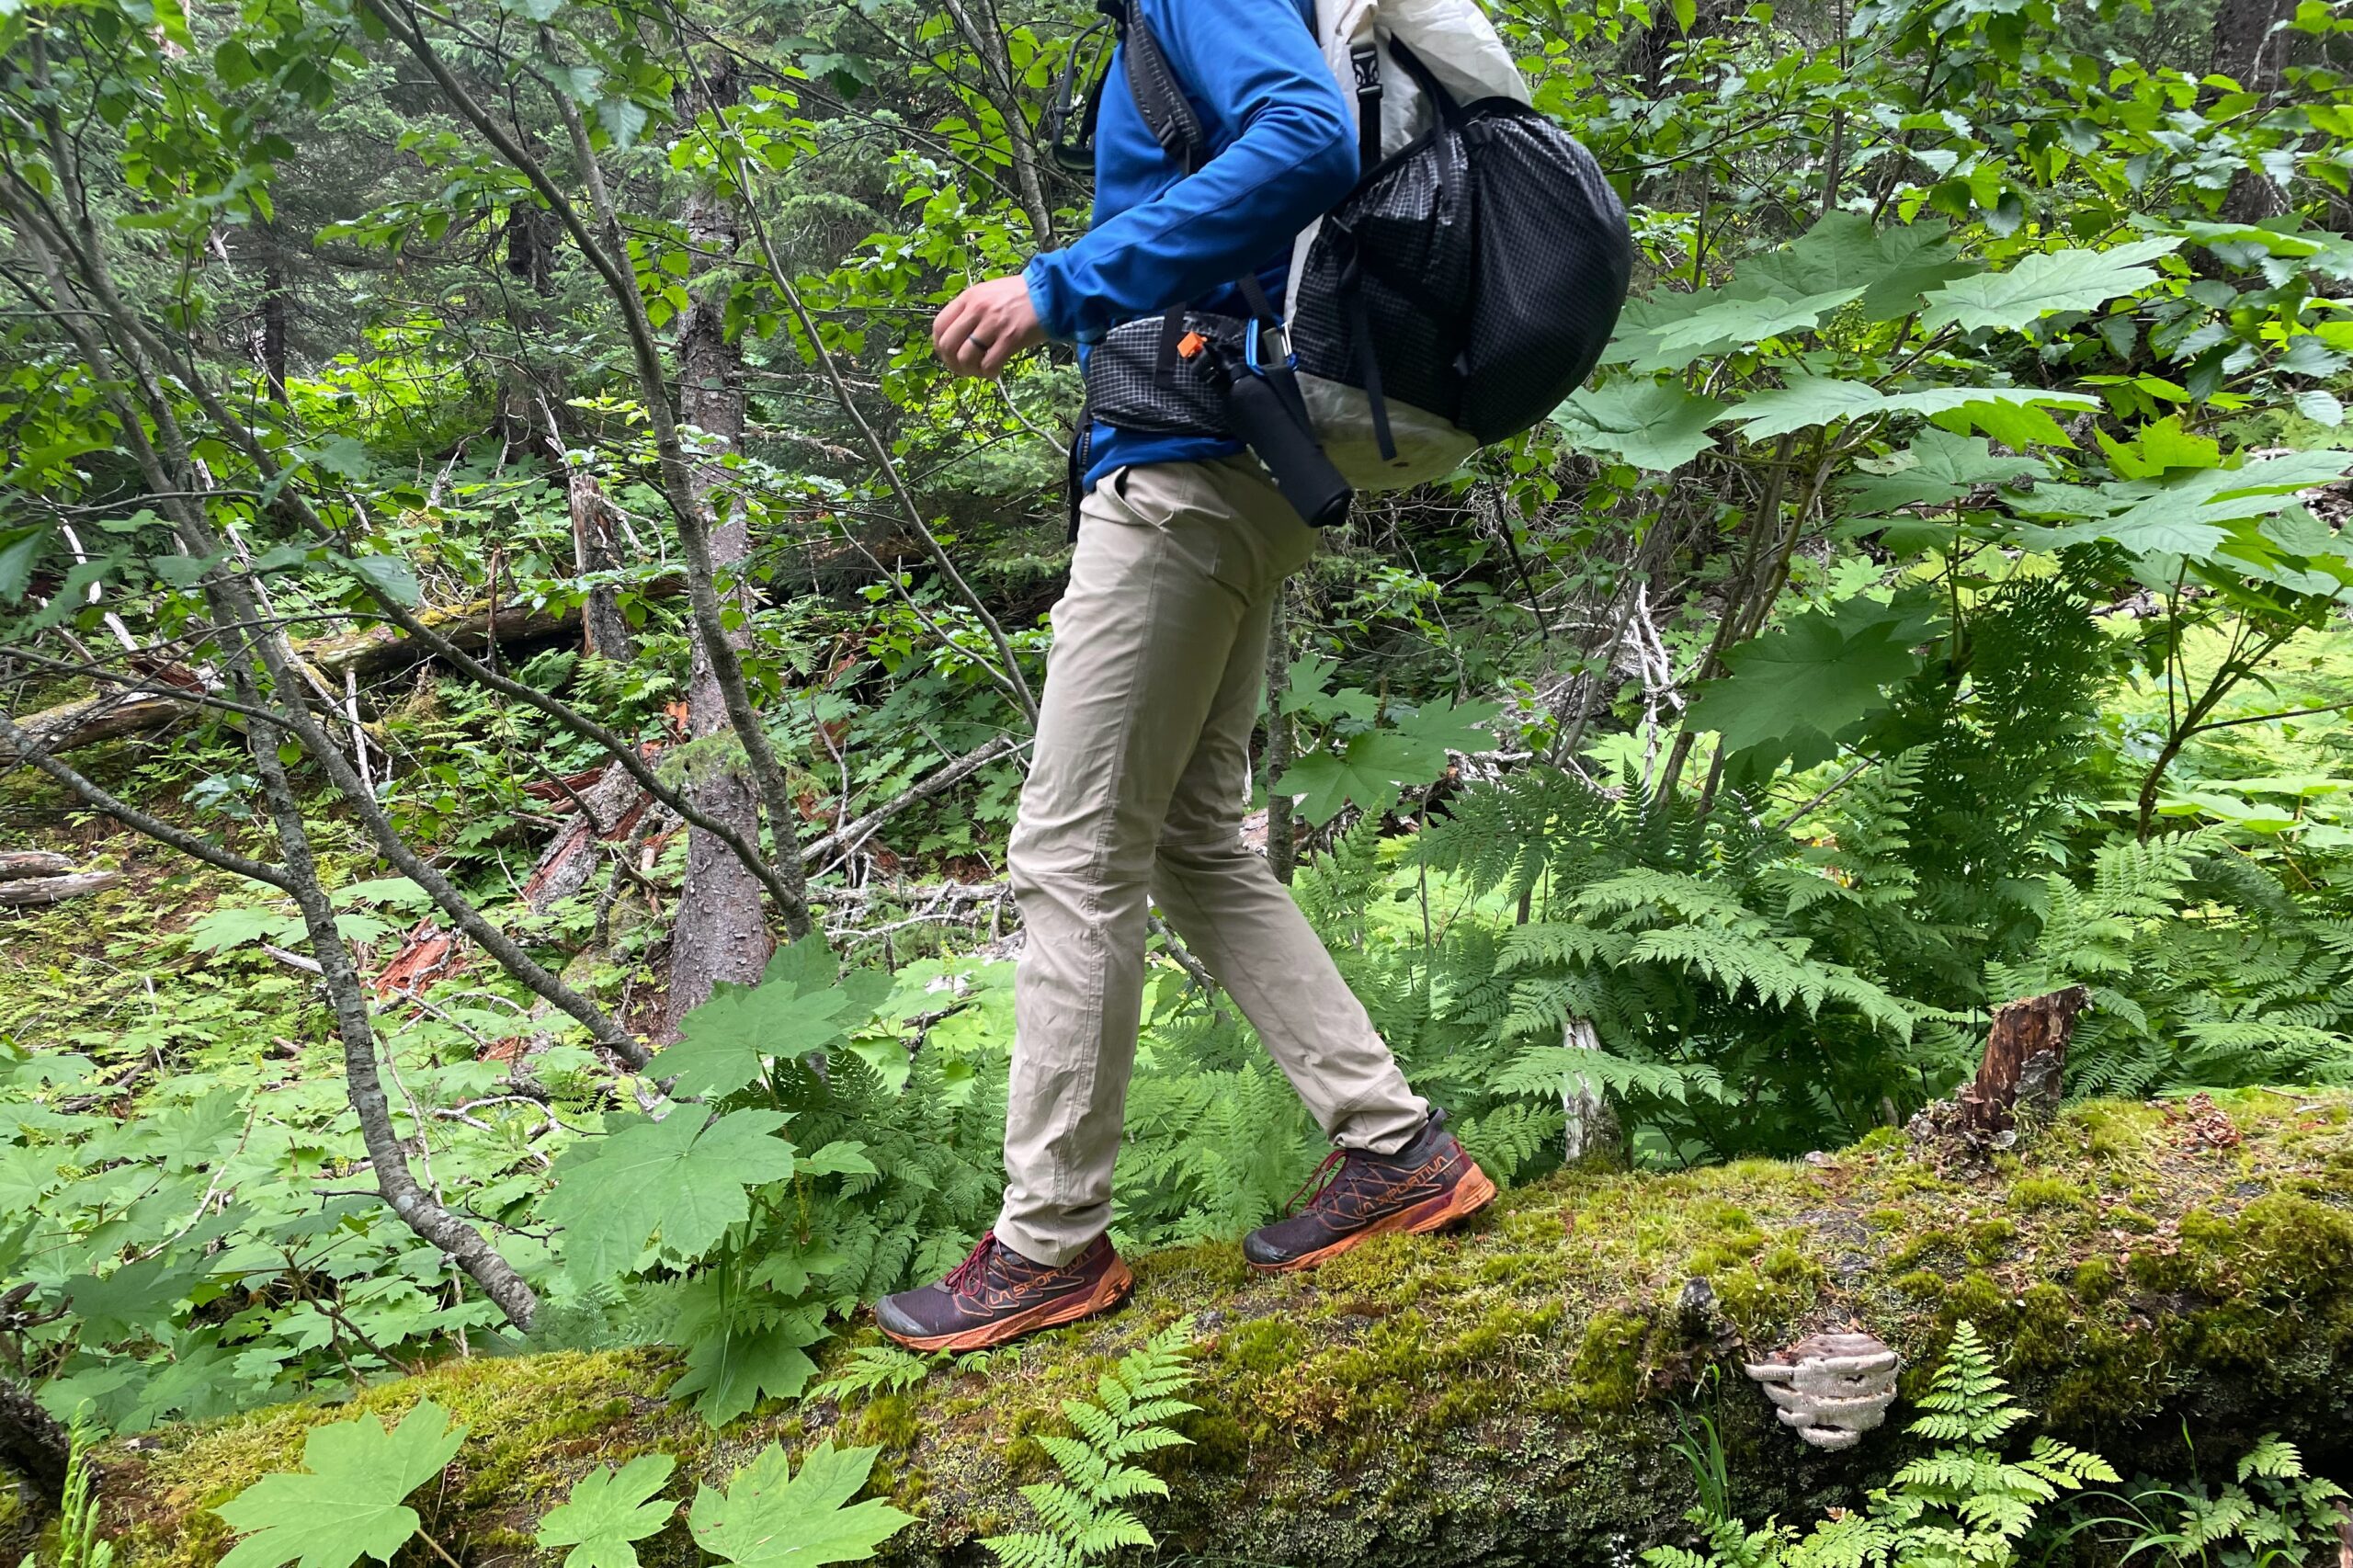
column 2026, row 1054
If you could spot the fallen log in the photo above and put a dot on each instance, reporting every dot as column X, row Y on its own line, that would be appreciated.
column 366, row 654
column 1513, row 1396
column 15, row 863
column 32, row 892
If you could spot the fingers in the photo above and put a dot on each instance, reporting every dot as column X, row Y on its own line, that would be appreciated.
column 983, row 327
column 952, row 328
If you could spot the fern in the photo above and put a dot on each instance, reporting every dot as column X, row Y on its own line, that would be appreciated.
column 1128, row 1418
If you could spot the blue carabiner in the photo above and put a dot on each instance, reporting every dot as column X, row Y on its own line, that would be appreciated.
column 1250, row 347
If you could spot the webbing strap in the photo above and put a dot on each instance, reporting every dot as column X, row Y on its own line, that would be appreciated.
column 1351, row 289
column 1365, row 60
column 1160, row 97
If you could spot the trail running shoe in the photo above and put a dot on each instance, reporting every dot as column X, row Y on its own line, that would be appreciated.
column 1354, row 1196
column 996, row 1296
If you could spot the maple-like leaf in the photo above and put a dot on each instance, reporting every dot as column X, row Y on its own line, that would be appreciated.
column 801, row 1004
column 675, row 1178
column 2038, row 285
column 1371, row 769
column 608, row 1510
column 1652, row 425
column 730, row 1368
column 346, row 1501
column 1792, row 691
column 1935, row 471
column 770, row 1518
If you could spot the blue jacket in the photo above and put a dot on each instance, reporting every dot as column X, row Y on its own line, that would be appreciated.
column 1283, row 151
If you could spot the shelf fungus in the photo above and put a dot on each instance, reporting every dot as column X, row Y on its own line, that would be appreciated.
column 1832, row 1387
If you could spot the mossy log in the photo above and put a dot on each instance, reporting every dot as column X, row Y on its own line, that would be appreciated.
column 1510, row 1395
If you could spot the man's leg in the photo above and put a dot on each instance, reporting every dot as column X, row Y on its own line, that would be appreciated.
column 1242, row 924
column 1170, row 561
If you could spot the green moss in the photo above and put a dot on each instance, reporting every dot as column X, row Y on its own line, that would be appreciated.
column 888, row 1422
column 2094, row 1281
column 1916, row 1249
column 1513, row 1386
column 1920, row 1285
column 1609, row 1367
column 1990, row 1239
column 2029, row 1193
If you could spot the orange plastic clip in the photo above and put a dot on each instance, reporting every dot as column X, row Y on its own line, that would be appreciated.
column 1190, row 344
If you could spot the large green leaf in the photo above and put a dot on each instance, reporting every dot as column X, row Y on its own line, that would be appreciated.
column 674, row 1179
column 19, row 548
column 1794, row 690
column 607, row 1511
column 2038, row 285
column 1892, row 265
column 346, row 1502
column 2192, row 515
column 730, row 1368
column 798, row 1005
column 1935, row 471
column 1652, row 425
column 1369, row 770
column 770, row 1518
column 1824, row 400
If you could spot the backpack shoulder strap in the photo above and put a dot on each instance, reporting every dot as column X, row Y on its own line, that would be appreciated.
column 1160, row 97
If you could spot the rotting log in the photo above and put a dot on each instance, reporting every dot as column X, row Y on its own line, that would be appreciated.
column 15, row 863
column 1511, row 1396
column 366, row 655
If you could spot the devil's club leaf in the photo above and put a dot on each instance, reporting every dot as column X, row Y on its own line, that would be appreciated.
column 2192, row 516
column 1371, row 769
column 1793, row 689
column 346, row 1501
column 675, row 1179
column 1937, row 470
column 800, row 1004
column 607, row 1511
column 2038, row 285
column 1821, row 400
column 770, row 1518
column 1652, row 425
column 730, row 1368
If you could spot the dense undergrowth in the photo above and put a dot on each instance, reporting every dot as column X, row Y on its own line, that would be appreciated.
column 1938, row 598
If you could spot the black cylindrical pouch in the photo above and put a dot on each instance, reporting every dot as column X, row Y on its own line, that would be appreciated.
column 1276, row 428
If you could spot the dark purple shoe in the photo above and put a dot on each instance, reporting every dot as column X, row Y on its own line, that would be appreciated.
column 1355, row 1196
column 997, row 1295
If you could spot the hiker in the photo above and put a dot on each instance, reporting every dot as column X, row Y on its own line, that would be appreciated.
column 1139, row 776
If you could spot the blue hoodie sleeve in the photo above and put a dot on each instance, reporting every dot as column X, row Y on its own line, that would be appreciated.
column 1288, row 153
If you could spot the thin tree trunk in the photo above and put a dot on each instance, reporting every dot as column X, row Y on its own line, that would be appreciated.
column 1282, row 845
column 719, row 933
column 458, row 1240
column 2249, row 45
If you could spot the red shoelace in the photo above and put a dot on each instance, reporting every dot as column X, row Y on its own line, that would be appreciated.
column 1318, row 1182
column 964, row 1273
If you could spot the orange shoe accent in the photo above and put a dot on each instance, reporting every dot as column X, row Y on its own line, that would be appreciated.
column 1110, row 1294
column 1470, row 1195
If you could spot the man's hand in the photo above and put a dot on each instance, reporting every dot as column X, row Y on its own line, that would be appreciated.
column 984, row 326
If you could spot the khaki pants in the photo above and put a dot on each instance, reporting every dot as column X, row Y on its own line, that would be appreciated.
column 1136, row 792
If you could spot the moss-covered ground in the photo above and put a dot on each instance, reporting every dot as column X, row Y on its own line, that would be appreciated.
column 1510, row 1395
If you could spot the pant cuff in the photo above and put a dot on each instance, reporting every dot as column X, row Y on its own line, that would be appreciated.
column 1035, row 1244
